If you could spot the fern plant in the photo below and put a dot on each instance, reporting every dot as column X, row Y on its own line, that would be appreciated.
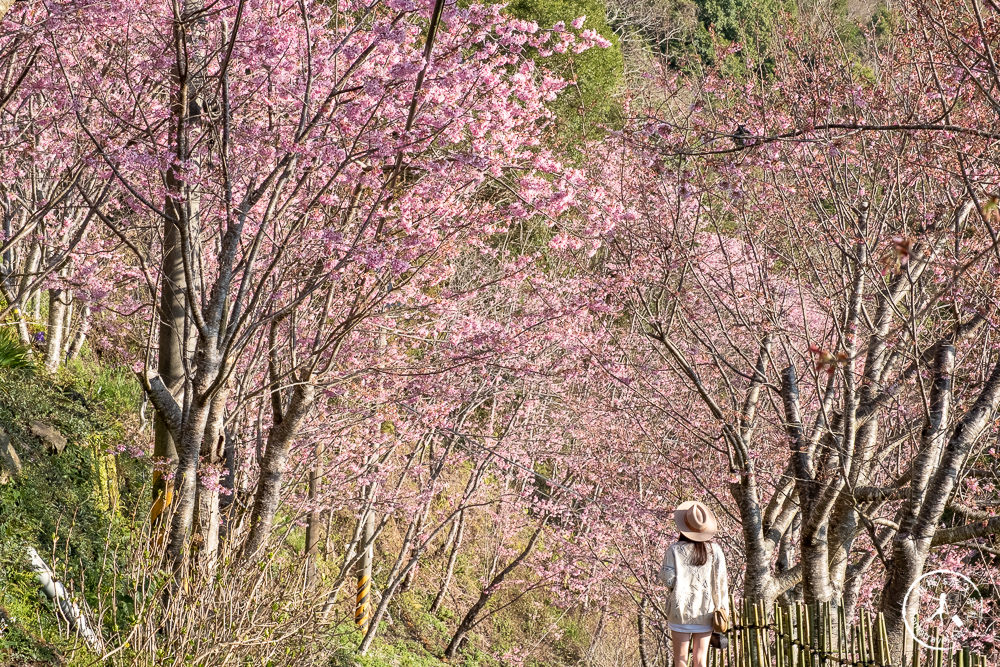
column 13, row 355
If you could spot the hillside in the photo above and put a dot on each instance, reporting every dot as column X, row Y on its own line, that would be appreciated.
column 85, row 510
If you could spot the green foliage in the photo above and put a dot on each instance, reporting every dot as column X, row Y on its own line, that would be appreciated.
column 574, row 632
column 413, row 612
column 402, row 653
column 698, row 29
column 115, row 388
column 591, row 101
column 13, row 355
column 854, row 34
column 748, row 22
column 21, row 614
column 754, row 23
column 296, row 539
column 59, row 505
column 883, row 22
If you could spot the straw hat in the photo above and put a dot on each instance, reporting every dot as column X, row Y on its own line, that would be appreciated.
column 695, row 521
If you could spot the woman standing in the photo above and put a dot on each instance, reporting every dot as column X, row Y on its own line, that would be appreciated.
column 694, row 569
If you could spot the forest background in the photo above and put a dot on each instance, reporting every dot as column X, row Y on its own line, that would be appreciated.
column 390, row 332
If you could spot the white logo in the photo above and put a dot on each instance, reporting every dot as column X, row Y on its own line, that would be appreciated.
column 953, row 597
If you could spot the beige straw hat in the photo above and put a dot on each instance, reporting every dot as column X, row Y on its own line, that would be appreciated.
column 695, row 521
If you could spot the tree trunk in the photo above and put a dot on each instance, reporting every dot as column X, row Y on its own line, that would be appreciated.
column 814, row 499
column 597, row 635
column 177, row 335
column 469, row 620
column 350, row 552
column 814, row 552
column 363, row 601
column 643, row 657
column 855, row 579
column 394, row 578
column 227, row 500
column 208, row 510
column 9, row 286
column 172, row 350
column 758, row 585
column 54, row 335
column 912, row 541
column 272, row 467
column 67, row 338
column 23, row 334
column 206, row 527
column 452, row 559
column 71, row 612
column 186, row 482
column 83, row 327
column 30, row 298
column 449, row 540
column 912, row 545
column 313, row 525
column 906, row 566
column 412, row 572
column 786, row 557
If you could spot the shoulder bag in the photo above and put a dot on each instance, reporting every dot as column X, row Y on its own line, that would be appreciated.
column 720, row 617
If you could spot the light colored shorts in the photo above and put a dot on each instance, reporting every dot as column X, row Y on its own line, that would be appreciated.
column 690, row 628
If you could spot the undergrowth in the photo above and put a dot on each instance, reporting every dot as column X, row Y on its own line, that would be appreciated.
column 85, row 511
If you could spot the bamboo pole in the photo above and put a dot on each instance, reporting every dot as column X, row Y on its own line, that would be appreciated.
column 826, row 647
column 789, row 644
column 779, row 648
column 884, row 640
column 793, row 629
column 864, row 639
column 802, row 634
column 763, row 646
column 805, row 636
column 732, row 640
column 841, row 635
column 731, row 649
column 856, row 644
column 745, row 648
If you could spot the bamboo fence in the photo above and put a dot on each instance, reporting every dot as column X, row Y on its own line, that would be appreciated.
column 801, row 635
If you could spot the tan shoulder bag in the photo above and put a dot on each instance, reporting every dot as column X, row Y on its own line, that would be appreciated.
column 720, row 617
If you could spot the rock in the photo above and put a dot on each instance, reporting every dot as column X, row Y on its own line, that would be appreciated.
column 10, row 462
column 50, row 435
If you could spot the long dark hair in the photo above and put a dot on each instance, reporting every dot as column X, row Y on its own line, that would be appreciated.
column 700, row 550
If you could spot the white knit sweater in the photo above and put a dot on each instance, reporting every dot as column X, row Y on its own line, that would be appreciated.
column 694, row 589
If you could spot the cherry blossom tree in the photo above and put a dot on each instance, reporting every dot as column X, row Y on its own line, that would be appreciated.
column 297, row 184
column 797, row 256
column 46, row 222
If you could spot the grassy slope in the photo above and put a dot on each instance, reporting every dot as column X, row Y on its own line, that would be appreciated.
column 80, row 508
column 60, row 503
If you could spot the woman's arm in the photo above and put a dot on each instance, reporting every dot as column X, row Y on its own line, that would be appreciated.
column 668, row 570
column 723, row 578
